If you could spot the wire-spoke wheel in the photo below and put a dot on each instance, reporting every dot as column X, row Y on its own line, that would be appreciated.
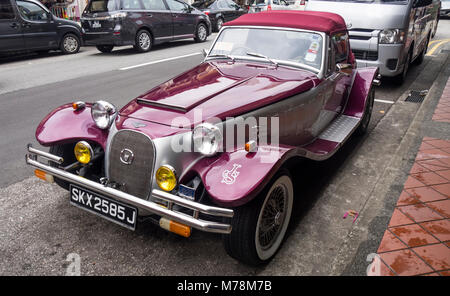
column 143, row 41
column 70, row 44
column 259, row 227
column 201, row 33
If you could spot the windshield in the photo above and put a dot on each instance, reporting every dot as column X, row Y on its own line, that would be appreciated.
column 203, row 4
column 369, row 1
column 293, row 47
column 101, row 6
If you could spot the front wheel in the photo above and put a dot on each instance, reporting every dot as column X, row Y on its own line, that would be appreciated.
column 70, row 44
column 259, row 227
column 219, row 24
column 66, row 152
column 400, row 78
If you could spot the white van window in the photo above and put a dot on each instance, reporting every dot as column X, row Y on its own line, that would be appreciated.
column 31, row 11
column 6, row 10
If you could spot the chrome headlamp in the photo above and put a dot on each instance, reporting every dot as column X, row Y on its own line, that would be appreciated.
column 103, row 114
column 391, row 36
column 207, row 139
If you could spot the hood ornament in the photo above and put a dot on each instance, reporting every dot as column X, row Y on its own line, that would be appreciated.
column 349, row 25
column 126, row 156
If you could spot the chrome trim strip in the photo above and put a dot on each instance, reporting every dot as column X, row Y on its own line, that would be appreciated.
column 46, row 155
column 152, row 207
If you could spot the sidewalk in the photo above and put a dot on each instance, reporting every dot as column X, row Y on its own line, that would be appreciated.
column 417, row 239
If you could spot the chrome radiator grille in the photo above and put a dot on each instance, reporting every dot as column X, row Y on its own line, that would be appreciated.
column 131, row 158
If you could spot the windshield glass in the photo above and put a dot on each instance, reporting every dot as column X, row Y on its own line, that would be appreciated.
column 293, row 47
column 369, row 1
column 101, row 6
column 203, row 4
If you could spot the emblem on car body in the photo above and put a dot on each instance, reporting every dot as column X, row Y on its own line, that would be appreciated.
column 229, row 176
column 126, row 156
column 349, row 25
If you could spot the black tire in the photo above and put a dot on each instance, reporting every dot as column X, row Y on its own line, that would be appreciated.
column 66, row 152
column 421, row 57
column 219, row 24
column 242, row 243
column 400, row 78
column 364, row 125
column 201, row 33
column 105, row 48
column 70, row 44
column 144, row 41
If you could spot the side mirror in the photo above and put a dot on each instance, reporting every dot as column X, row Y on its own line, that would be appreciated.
column 204, row 52
column 346, row 69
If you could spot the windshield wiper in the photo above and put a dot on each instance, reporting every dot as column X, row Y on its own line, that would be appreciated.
column 221, row 56
column 254, row 54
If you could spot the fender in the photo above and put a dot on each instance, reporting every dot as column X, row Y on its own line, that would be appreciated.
column 235, row 178
column 65, row 125
column 362, row 85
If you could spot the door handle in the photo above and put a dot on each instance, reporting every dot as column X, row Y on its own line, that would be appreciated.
column 175, row 15
column 14, row 25
column 26, row 25
column 149, row 14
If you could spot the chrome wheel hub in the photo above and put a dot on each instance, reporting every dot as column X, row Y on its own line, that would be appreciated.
column 70, row 44
column 201, row 33
column 144, row 41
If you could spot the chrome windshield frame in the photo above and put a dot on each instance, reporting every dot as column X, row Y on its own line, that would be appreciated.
column 318, row 72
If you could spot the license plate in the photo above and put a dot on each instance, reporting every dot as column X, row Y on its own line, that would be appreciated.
column 96, row 24
column 109, row 209
column 186, row 192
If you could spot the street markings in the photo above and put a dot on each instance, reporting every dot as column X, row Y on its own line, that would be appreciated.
column 384, row 101
column 436, row 44
column 160, row 61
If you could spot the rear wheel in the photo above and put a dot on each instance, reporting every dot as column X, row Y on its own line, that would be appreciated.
column 70, row 44
column 143, row 41
column 105, row 48
column 201, row 33
column 259, row 227
column 363, row 126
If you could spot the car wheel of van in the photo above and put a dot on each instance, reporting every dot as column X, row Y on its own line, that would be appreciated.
column 219, row 24
column 364, row 125
column 259, row 227
column 201, row 33
column 143, row 41
column 402, row 76
column 105, row 48
column 66, row 152
column 70, row 44
column 421, row 57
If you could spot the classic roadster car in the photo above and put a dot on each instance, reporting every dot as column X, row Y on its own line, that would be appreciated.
column 210, row 149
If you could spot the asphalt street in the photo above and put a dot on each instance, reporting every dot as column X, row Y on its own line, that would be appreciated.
column 39, row 228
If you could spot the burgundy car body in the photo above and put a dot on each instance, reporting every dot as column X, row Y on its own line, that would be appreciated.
column 300, row 98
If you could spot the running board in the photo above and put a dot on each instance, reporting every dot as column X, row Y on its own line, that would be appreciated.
column 333, row 137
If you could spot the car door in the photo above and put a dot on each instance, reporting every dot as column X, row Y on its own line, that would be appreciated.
column 234, row 9
column 159, row 18
column 182, row 18
column 39, row 29
column 11, row 37
column 340, row 81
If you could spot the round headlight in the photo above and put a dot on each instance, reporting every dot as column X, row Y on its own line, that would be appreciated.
column 83, row 152
column 207, row 139
column 103, row 114
column 166, row 178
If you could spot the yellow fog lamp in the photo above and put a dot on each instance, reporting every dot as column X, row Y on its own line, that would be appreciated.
column 83, row 152
column 166, row 178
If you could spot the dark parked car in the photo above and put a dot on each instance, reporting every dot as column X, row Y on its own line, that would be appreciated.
column 141, row 23
column 220, row 11
column 29, row 26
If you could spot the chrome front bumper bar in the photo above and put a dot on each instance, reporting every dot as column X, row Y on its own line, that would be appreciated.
column 169, row 213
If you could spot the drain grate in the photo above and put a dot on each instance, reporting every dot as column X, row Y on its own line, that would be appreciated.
column 416, row 96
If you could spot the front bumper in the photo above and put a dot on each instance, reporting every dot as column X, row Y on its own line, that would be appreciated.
column 389, row 61
column 152, row 207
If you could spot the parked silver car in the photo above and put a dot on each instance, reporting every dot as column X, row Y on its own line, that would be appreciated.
column 445, row 8
column 263, row 5
column 388, row 34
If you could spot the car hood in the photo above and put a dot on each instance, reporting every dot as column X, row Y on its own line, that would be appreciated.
column 218, row 89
